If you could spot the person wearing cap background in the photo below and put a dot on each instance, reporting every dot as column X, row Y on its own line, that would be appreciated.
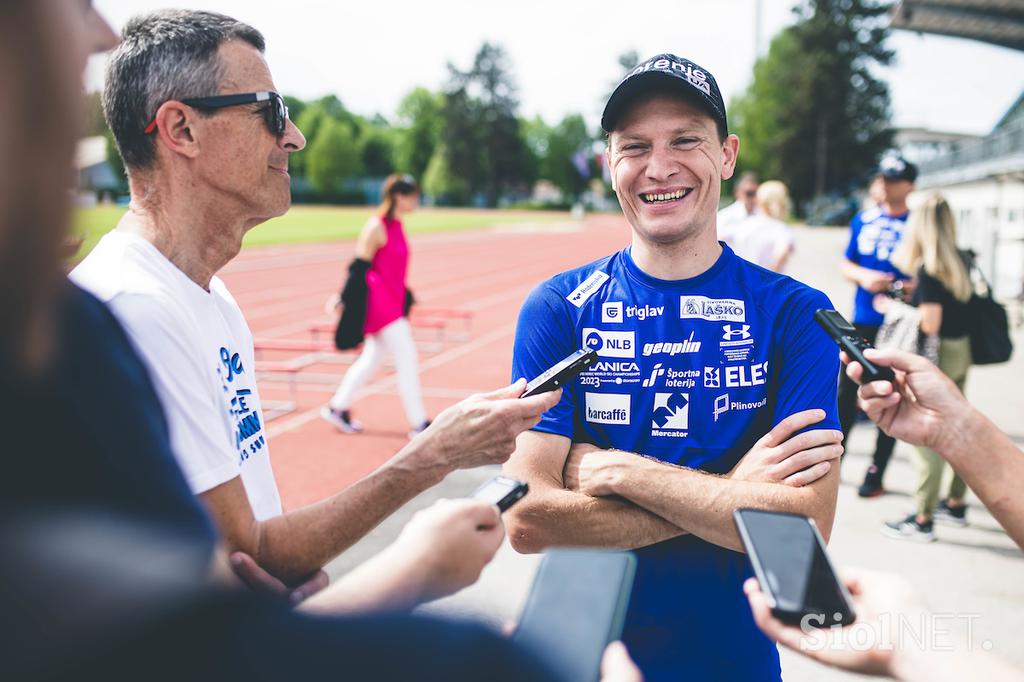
column 711, row 370
column 874, row 235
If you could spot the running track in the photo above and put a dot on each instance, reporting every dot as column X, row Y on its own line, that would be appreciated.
column 489, row 272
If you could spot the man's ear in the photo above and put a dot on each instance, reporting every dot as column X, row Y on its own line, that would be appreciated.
column 174, row 128
column 730, row 152
column 608, row 160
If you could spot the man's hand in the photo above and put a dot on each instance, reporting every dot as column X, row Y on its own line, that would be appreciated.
column 482, row 429
column 617, row 666
column 448, row 544
column 923, row 407
column 593, row 471
column 874, row 595
column 875, row 281
column 795, row 460
column 258, row 580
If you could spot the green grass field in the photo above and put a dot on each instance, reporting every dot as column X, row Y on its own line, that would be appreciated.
column 306, row 224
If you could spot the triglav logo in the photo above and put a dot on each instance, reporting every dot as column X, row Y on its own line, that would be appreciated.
column 643, row 312
column 714, row 309
column 671, row 415
column 611, row 311
column 609, row 344
column 607, row 408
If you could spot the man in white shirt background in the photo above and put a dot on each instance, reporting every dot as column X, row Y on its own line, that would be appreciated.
column 744, row 191
column 205, row 139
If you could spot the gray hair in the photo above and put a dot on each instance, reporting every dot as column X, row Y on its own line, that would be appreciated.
column 164, row 55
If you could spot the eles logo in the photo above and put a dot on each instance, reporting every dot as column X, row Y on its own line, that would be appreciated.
column 610, row 344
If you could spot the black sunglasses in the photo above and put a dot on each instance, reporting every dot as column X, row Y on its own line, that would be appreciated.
column 276, row 114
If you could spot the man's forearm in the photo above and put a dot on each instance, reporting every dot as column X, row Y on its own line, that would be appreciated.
column 977, row 449
column 703, row 504
column 554, row 517
column 296, row 544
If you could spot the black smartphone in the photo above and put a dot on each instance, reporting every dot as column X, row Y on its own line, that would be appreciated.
column 792, row 565
column 502, row 491
column 845, row 334
column 576, row 608
column 559, row 374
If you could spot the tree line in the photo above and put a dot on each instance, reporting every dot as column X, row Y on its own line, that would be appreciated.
column 815, row 115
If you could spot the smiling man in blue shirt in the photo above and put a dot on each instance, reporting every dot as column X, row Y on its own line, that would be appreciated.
column 701, row 354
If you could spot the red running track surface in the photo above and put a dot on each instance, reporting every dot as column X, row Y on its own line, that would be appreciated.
column 282, row 291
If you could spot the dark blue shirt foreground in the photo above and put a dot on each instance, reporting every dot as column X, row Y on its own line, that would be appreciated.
column 92, row 432
column 691, row 372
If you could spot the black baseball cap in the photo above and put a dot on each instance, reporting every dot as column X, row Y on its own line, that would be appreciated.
column 897, row 168
column 666, row 70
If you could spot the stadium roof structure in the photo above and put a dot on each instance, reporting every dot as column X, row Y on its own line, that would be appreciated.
column 999, row 22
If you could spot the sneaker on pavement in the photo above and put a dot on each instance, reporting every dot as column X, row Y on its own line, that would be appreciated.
column 954, row 516
column 341, row 419
column 872, row 485
column 909, row 529
column 415, row 432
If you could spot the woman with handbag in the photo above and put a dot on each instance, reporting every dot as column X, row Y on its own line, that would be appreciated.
column 943, row 289
column 378, row 273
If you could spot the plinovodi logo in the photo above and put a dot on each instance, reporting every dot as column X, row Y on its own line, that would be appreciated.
column 671, row 415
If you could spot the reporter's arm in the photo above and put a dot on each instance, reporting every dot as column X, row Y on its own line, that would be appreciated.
column 477, row 431
column 926, row 408
column 550, row 515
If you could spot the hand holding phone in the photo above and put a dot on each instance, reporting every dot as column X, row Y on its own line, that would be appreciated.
column 557, row 376
column 845, row 334
column 793, row 568
column 501, row 491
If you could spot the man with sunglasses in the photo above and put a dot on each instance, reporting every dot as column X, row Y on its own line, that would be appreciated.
column 205, row 139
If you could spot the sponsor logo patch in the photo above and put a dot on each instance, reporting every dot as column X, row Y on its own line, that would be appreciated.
column 611, row 311
column 644, row 312
column 610, row 344
column 736, row 376
column 714, row 309
column 671, row 415
column 671, row 348
column 611, row 371
column 723, row 405
column 586, row 289
column 737, row 343
column 607, row 408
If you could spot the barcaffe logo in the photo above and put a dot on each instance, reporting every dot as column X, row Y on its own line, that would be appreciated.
column 714, row 309
column 607, row 408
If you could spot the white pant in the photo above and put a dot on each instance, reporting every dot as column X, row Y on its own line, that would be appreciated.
column 396, row 339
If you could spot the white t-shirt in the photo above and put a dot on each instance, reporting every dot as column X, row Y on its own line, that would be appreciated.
column 760, row 239
column 198, row 349
column 729, row 217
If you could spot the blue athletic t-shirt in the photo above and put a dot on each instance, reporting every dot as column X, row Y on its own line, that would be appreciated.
column 873, row 238
column 691, row 372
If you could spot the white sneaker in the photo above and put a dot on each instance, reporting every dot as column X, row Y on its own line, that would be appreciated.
column 341, row 419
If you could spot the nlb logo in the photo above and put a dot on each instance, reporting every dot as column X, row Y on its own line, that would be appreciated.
column 610, row 344
column 714, row 309
column 607, row 408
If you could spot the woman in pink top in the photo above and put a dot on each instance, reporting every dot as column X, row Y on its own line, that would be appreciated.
column 382, row 243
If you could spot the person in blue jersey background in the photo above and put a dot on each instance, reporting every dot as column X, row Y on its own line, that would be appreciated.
column 714, row 390
column 874, row 235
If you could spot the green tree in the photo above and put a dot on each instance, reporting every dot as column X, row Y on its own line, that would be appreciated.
column 377, row 151
column 569, row 144
column 441, row 183
column 482, row 134
column 815, row 116
column 420, row 121
column 333, row 157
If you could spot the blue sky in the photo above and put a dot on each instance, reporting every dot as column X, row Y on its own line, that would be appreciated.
column 564, row 54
